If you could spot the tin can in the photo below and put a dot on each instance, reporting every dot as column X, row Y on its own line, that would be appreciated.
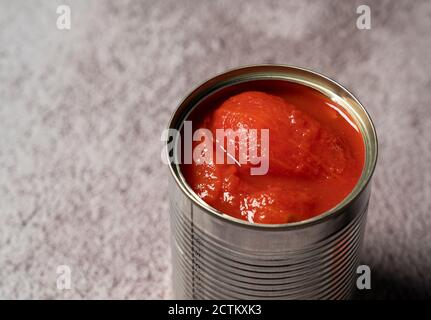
column 216, row 256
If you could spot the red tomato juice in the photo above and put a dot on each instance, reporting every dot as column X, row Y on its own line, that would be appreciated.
column 316, row 155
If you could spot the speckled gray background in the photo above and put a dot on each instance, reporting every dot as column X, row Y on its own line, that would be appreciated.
column 81, row 113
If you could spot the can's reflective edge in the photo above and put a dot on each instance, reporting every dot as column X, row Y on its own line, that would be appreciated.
column 216, row 256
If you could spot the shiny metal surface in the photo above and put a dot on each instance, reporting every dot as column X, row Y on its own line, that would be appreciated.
column 219, row 257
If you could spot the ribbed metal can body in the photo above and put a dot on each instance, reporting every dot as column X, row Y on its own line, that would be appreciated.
column 213, row 260
column 216, row 257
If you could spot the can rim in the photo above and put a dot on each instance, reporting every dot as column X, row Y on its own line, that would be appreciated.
column 371, row 154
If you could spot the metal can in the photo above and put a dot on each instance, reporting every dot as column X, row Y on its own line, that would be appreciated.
column 216, row 256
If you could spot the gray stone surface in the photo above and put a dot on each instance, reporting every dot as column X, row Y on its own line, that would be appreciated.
column 81, row 112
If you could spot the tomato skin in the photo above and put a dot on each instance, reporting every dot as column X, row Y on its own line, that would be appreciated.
column 311, row 164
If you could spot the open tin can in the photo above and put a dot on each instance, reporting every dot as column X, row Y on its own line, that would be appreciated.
column 216, row 256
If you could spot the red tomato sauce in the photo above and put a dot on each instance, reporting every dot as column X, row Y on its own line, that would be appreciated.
column 316, row 155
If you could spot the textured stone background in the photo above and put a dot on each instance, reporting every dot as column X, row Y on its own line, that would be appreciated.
column 81, row 112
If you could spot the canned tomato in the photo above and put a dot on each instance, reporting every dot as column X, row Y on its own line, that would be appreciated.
column 295, row 233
